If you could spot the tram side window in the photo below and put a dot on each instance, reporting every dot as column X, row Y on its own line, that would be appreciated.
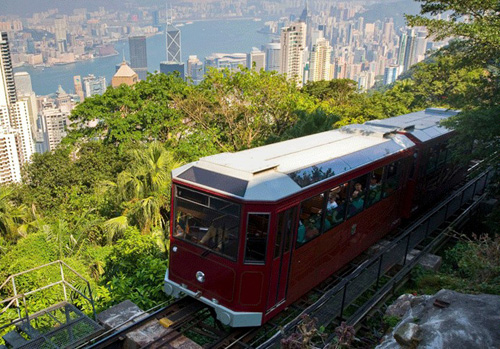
column 432, row 158
column 374, row 190
column 284, row 231
column 392, row 180
column 443, row 154
column 256, row 239
column 310, row 219
column 336, row 206
column 357, row 196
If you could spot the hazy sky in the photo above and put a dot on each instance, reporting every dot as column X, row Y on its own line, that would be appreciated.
column 27, row 7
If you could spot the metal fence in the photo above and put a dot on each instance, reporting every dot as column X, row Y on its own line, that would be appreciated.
column 333, row 303
column 64, row 271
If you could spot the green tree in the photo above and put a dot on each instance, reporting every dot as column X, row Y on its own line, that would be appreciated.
column 135, row 269
column 125, row 114
column 240, row 110
column 143, row 190
column 12, row 218
column 476, row 25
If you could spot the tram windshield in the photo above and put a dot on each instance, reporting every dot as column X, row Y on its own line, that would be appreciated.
column 207, row 221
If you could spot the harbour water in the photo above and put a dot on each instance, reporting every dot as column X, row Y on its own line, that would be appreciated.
column 199, row 38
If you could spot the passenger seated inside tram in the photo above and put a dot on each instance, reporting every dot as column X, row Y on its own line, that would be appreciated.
column 332, row 202
column 301, row 232
column 374, row 191
column 357, row 202
column 182, row 226
column 311, row 230
column 215, row 237
column 374, row 184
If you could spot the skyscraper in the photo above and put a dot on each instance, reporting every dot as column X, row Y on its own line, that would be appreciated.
column 7, row 84
column 256, row 59
column 171, row 68
column 390, row 74
column 174, row 58
column 272, row 50
column 293, row 42
column 320, row 64
column 138, row 55
column 173, row 43
column 60, row 34
column 25, row 91
column 93, row 85
column 77, row 82
column 16, row 141
column 195, row 69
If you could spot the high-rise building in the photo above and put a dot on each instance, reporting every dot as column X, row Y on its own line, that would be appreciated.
column 195, row 69
column 56, row 121
column 173, row 43
column 390, row 74
column 293, row 42
column 138, row 55
column 16, row 139
column 25, row 91
column 77, row 81
column 320, row 62
column 256, row 59
column 172, row 67
column 410, row 56
column 7, row 83
column 60, row 34
column 23, row 83
column 93, row 85
column 10, row 168
column 402, row 49
column 272, row 51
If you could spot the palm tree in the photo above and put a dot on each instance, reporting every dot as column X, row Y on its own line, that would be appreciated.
column 11, row 217
column 144, row 189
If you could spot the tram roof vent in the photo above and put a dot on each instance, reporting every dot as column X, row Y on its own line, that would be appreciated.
column 369, row 130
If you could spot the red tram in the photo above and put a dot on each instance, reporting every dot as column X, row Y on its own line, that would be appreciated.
column 253, row 231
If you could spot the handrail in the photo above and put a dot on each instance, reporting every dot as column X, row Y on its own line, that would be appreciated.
column 15, row 298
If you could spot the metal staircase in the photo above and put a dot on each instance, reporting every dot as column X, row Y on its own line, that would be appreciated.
column 61, row 325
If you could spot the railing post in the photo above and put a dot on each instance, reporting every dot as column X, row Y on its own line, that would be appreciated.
column 427, row 226
column 15, row 295
column 407, row 248
column 343, row 302
column 379, row 270
column 63, row 281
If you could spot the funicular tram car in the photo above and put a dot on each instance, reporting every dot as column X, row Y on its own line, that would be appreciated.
column 253, row 231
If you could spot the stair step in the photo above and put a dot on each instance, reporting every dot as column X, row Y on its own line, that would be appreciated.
column 14, row 339
column 28, row 329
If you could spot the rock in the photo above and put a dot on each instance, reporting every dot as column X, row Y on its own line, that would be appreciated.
column 407, row 335
column 400, row 306
column 455, row 320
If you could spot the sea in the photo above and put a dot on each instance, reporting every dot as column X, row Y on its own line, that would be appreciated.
column 200, row 38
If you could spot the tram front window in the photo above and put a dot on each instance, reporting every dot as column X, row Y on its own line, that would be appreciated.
column 207, row 221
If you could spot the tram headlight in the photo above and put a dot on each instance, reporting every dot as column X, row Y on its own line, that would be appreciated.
column 200, row 276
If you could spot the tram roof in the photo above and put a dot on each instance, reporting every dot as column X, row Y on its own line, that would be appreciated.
column 278, row 170
column 424, row 125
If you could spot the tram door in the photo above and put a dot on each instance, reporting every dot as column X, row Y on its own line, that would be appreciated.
column 281, row 257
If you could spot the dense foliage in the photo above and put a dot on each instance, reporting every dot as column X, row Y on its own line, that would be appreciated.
column 100, row 202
